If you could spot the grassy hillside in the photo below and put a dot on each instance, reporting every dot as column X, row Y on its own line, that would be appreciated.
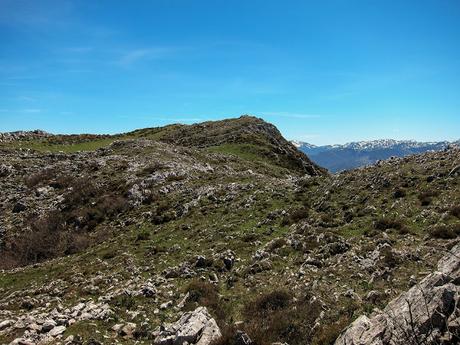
column 159, row 221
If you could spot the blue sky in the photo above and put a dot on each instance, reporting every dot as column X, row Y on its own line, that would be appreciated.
column 322, row 71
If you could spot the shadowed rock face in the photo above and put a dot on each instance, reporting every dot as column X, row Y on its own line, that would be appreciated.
column 426, row 314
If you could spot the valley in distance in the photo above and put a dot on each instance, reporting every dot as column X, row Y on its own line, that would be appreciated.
column 224, row 233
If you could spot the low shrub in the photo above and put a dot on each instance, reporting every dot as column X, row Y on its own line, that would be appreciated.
column 43, row 240
column 295, row 216
column 106, row 206
column 125, row 302
column 328, row 333
column 62, row 181
column 386, row 223
column 77, row 243
column 278, row 317
column 445, row 231
column 82, row 191
column 40, row 178
column 250, row 237
column 108, row 254
column 455, row 211
column 201, row 292
column 399, row 193
column 204, row 294
column 173, row 178
column 143, row 235
column 426, row 198
column 388, row 258
column 229, row 336
column 276, row 244
column 263, row 305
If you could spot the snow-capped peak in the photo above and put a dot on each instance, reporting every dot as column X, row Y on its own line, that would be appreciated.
column 298, row 144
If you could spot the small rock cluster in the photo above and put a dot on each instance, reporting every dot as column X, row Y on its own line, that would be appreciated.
column 45, row 327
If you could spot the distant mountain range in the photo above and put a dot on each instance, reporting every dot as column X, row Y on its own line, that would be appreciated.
column 357, row 154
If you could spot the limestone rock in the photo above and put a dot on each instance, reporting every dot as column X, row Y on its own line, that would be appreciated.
column 6, row 324
column 58, row 330
column 196, row 327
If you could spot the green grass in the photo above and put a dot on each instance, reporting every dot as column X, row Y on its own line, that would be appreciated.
column 44, row 146
column 245, row 151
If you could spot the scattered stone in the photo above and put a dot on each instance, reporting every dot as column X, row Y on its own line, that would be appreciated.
column 48, row 325
column 6, row 324
column 19, row 207
column 58, row 330
column 166, row 305
column 264, row 265
column 241, row 338
column 128, row 330
column 148, row 291
column 201, row 262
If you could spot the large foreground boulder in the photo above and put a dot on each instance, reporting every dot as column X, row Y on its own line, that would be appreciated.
column 196, row 327
column 423, row 315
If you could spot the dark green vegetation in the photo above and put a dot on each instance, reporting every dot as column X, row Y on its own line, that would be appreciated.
column 226, row 215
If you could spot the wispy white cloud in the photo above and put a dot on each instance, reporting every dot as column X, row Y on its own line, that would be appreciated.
column 31, row 111
column 26, row 98
column 135, row 55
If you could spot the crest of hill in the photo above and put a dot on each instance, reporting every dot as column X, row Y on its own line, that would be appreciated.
column 246, row 136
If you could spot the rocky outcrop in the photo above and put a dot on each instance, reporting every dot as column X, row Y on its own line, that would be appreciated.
column 196, row 327
column 23, row 135
column 426, row 314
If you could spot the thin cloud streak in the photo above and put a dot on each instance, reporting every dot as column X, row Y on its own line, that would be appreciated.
column 26, row 99
column 133, row 56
